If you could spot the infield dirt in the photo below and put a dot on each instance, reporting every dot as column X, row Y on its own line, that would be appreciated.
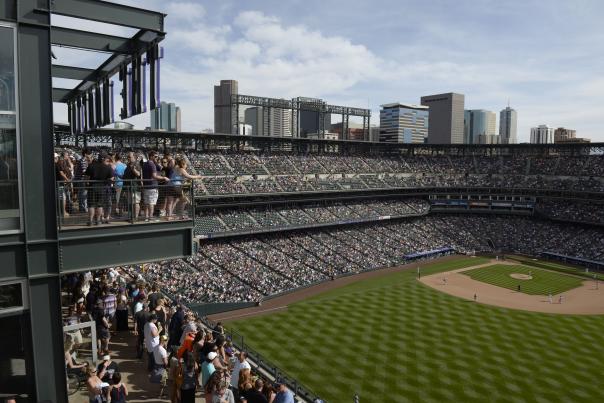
column 583, row 300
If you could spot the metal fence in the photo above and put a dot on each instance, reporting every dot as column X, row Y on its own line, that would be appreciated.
column 87, row 203
column 262, row 365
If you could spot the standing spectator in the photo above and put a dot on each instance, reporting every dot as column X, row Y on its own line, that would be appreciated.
column 239, row 365
column 140, row 320
column 121, row 312
column 164, row 170
column 151, row 339
column 80, row 186
column 117, row 391
column 133, row 185
column 207, row 368
column 62, row 180
column 67, row 169
column 162, row 315
column 101, row 174
column 223, row 394
column 93, row 384
column 218, row 329
column 175, row 327
column 176, row 194
column 154, row 296
column 102, row 327
column 190, row 382
column 120, row 170
column 107, row 368
column 160, row 363
column 150, row 185
column 109, row 303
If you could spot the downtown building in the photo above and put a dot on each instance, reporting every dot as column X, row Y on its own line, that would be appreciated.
column 404, row 123
column 480, row 125
column 166, row 117
column 446, row 119
column 274, row 122
column 222, row 105
column 508, row 126
column 562, row 134
column 542, row 134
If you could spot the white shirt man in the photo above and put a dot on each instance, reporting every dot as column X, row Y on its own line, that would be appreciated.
column 159, row 352
column 151, row 339
column 239, row 365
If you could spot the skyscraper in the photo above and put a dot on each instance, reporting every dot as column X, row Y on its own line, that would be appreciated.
column 478, row 122
column 222, row 105
column 166, row 117
column 446, row 122
column 404, row 123
column 543, row 134
column 269, row 121
column 508, row 122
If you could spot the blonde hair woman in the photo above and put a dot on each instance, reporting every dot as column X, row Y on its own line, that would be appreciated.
column 176, row 194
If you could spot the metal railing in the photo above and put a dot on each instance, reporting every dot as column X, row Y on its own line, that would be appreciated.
column 88, row 203
column 261, row 365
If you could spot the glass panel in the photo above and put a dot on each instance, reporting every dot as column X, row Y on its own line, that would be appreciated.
column 7, row 69
column 11, row 296
column 9, row 189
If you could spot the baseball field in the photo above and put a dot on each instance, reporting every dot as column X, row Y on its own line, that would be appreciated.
column 396, row 339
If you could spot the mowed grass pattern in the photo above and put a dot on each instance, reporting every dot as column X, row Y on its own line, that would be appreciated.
column 393, row 339
column 543, row 282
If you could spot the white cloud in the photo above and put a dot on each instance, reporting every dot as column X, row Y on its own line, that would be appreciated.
column 185, row 11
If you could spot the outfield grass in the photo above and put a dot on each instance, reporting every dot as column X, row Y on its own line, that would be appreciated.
column 393, row 339
column 543, row 282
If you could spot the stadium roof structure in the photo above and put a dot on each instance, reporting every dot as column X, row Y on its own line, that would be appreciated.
column 113, row 134
column 90, row 103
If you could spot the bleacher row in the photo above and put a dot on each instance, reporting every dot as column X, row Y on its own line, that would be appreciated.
column 253, row 267
column 245, row 219
column 236, row 173
column 572, row 210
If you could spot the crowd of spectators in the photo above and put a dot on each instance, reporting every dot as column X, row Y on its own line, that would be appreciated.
column 278, row 262
column 183, row 356
column 265, row 218
column 247, row 172
column 572, row 210
column 100, row 185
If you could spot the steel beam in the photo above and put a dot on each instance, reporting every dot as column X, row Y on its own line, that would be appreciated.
column 90, row 40
column 111, row 13
column 59, row 94
column 72, row 73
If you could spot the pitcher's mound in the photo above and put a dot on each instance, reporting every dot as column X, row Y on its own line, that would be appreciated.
column 520, row 276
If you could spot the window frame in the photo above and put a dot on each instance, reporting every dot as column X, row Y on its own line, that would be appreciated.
column 13, row 27
column 24, row 298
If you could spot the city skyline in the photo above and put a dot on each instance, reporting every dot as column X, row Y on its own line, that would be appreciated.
column 286, row 51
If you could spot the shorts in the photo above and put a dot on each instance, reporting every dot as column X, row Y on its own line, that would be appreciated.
column 135, row 197
column 150, row 196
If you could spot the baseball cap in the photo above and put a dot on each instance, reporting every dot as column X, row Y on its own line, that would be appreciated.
column 212, row 355
column 106, row 357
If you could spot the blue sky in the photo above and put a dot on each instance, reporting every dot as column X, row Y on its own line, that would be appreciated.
column 546, row 57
